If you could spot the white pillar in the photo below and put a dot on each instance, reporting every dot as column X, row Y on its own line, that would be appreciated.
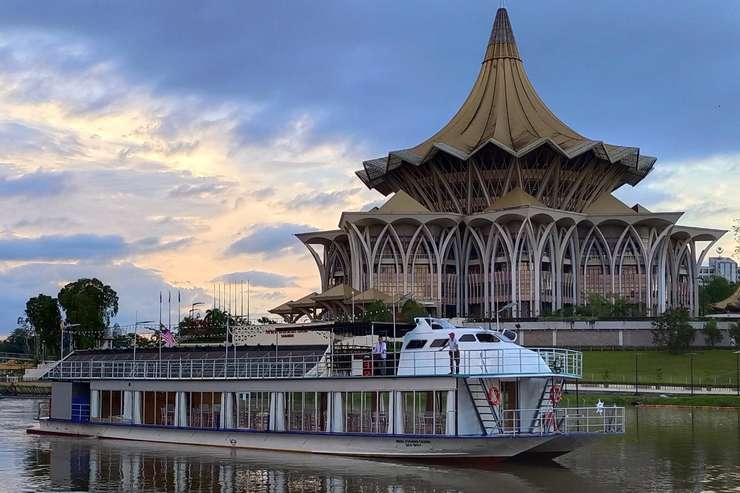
column 128, row 406
column 137, row 408
column 94, row 404
column 277, row 411
column 227, row 410
column 181, row 409
column 398, row 412
column 450, row 413
column 337, row 412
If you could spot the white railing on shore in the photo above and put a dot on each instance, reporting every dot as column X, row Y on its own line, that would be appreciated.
column 606, row 419
column 492, row 362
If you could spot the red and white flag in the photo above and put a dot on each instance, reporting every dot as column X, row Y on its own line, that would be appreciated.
column 168, row 337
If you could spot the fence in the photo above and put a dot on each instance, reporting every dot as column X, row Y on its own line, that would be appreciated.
column 563, row 420
column 491, row 362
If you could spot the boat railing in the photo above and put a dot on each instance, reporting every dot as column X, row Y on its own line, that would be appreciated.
column 597, row 419
column 489, row 362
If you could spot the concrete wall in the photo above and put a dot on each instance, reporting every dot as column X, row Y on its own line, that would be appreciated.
column 612, row 333
column 61, row 400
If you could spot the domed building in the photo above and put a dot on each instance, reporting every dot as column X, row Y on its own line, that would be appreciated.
column 507, row 209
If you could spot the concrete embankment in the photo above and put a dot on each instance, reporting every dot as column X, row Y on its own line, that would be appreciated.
column 25, row 388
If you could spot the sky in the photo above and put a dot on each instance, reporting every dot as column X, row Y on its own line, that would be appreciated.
column 162, row 146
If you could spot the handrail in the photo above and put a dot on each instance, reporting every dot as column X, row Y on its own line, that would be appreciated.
column 480, row 363
column 605, row 419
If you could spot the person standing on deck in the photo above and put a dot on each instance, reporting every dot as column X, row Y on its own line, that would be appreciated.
column 380, row 353
column 454, row 350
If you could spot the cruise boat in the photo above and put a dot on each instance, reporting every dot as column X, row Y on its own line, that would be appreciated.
column 500, row 401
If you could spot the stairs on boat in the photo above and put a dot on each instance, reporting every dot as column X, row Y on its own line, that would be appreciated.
column 545, row 406
column 487, row 414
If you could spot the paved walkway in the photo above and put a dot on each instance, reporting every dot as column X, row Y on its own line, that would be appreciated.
column 620, row 388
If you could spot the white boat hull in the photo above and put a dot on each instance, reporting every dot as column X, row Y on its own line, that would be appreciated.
column 353, row 445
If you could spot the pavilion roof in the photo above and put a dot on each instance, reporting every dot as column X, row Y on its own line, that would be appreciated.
column 503, row 109
column 305, row 302
column 515, row 197
column 340, row 292
column 371, row 295
column 283, row 309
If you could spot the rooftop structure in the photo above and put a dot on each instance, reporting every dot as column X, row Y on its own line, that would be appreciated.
column 506, row 206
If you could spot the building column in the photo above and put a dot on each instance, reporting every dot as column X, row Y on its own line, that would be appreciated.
column 336, row 413
column 128, row 406
column 137, row 408
column 94, row 404
column 277, row 411
column 226, row 420
column 181, row 409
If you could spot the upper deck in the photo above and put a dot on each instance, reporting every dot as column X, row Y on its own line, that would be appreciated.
column 312, row 362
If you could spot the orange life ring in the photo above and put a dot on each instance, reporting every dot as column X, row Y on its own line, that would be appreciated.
column 556, row 394
column 494, row 396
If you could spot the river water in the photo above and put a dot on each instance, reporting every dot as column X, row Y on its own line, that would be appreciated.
column 665, row 449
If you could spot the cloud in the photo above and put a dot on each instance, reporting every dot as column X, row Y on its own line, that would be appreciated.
column 79, row 247
column 271, row 239
column 263, row 193
column 321, row 200
column 259, row 278
column 34, row 184
column 203, row 187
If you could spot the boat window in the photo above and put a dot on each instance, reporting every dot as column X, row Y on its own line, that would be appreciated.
column 436, row 326
column 484, row 337
column 416, row 344
column 467, row 338
column 438, row 343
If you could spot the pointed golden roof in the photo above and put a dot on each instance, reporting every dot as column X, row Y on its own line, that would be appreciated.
column 516, row 197
column 730, row 304
column 402, row 203
column 608, row 205
column 503, row 109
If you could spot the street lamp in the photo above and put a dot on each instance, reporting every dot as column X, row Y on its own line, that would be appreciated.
column 737, row 370
column 64, row 326
column 192, row 307
column 691, row 371
column 136, row 326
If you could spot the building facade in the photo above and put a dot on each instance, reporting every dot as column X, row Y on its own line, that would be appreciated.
column 719, row 267
column 505, row 209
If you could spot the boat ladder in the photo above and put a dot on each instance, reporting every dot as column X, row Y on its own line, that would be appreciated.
column 487, row 414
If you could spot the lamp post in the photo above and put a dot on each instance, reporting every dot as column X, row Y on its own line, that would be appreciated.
column 737, row 372
column 64, row 326
column 192, row 306
column 636, row 392
column 136, row 326
column 691, row 371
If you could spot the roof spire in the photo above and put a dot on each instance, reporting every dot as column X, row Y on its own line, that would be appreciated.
column 502, row 43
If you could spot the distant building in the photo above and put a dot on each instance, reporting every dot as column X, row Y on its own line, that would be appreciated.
column 719, row 267
column 505, row 209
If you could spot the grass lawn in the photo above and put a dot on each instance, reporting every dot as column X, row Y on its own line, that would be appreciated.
column 589, row 400
column 716, row 366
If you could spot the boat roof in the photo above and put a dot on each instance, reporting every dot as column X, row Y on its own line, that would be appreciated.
column 349, row 329
column 195, row 352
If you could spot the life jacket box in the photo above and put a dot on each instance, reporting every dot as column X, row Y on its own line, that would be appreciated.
column 358, row 367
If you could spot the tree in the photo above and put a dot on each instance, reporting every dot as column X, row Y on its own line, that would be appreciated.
column 736, row 232
column 214, row 322
column 672, row 330
column 190, row 326
column 43, row 315
column 712, row 334
column 91, row 304
column 376, row 312
column 410, row 310
column 265, row 320
column 735, row 333
column 716, row 290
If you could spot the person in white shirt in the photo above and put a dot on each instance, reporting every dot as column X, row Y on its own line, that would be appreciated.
column 454, row 350
column 380, row 353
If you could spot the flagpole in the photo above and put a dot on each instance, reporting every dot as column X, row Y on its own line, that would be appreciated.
column 179, row 311
column 169, row 310
column 247, row 301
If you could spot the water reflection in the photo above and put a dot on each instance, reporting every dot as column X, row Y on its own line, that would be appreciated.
column 664, row 449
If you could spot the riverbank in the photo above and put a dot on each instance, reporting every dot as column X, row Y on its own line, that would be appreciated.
column 20, row 389
column 588, row 400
